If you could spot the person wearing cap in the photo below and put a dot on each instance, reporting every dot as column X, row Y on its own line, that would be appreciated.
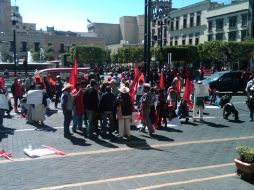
column 146, row 101
column 91, row 104
column 114, row 87
column 124, row 112
column 58, row 89
column 67, row 106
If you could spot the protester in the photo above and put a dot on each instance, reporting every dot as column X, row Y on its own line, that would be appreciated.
column 4, row 102
column 78, row 108
column 91, row 104
column 173, row 94
column 36, row 112
column 198, row 106
column 145, row 109
column 17, row 93
column 124, row 112
column 250, row 97
column 140, row 91
column 67, row 106
column 58, row 89
column 106, row 108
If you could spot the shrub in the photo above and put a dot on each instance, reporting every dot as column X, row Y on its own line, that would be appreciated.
column 246, row 153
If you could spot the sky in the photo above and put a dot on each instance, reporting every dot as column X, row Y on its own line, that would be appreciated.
column 72, row 15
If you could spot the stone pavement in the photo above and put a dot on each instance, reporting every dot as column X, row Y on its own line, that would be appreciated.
column 191, row 156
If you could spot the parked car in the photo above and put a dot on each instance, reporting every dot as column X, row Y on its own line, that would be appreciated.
column 227, row 81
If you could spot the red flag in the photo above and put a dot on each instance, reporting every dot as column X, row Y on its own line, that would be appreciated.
column 133, row 88
column 2, row 82
column 187, row 92
column 142, row 77
column 74, row 72
column 162, row 86
column 136, row 71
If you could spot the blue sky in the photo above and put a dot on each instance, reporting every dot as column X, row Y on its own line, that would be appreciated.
column 73, row 14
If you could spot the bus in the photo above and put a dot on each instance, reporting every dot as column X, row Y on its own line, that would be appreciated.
column 63, row 72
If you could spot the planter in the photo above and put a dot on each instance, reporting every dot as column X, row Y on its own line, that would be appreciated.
column 245, row 170
column 244, row 167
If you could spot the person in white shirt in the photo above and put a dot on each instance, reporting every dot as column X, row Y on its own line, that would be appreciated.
column 140, row 91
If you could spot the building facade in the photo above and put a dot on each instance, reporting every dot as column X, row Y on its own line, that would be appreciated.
column 130, row 30
column 206, row 21
column 28, row 38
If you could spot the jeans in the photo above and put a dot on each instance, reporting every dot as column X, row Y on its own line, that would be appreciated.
column 57, row 100
column 67, row 121
column 92, row 117
column 105, row 116
column 77, row 122
column 1, row 116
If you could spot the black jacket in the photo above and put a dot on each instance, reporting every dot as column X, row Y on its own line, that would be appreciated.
column 107, row 102
column 91, row 99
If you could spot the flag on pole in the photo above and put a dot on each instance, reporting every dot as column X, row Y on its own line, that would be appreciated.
column 162, row 85
column 74, row 71
column 187, row 92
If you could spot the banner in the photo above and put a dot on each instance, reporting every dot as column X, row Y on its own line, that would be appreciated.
column 201, row 90
column 34, row 97
column 4, row 102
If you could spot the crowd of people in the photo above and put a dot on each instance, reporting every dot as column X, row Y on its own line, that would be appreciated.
column 105, row 107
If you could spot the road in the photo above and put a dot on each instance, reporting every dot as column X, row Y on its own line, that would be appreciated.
column 190, row 156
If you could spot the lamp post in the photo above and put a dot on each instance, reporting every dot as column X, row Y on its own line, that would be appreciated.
column 160, row 16
column 158, row 10
column 14, row 19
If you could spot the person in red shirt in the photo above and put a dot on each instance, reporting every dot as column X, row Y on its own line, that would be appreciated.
column 17, row 92
column 78, row 109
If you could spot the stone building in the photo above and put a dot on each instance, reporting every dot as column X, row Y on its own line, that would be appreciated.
column 28, row 38
column 206, row 21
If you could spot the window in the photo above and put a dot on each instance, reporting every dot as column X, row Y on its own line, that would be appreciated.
column 185, row 21
column 196, row 40
column 198, row 20
column 232, row 21
column 190, row 41
column 210, row 37
column 244, row 20
column 171, row 41
column 219, row 24
column 243, row 34
column 219, row 36
column 210, row 25
column 172, row 26
column 49, row 44
column 183, row 41
column 62, row 48
column 177, row 24
column 11, row 46
column 232, row 36
column 24, row 46
column 165, row 31
column 192, row 20
column 165, row 42
column 176, row 41
column 37, row 46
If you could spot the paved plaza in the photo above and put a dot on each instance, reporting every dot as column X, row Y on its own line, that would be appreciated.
column 190, row 156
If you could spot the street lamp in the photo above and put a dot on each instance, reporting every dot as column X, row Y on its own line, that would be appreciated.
column 14, row 19
column 157, row 10
column 160, row 16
